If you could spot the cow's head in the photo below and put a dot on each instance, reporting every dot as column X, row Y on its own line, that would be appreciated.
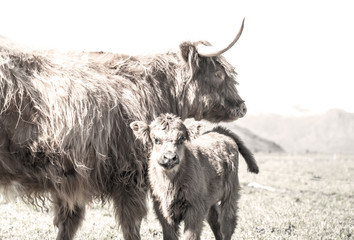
column 166, row 136
column 209, row 91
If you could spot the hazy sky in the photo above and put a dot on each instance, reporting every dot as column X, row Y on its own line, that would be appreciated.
column 293, row 57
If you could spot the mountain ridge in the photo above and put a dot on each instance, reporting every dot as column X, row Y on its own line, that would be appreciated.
column 331, row 132
column 254, row 142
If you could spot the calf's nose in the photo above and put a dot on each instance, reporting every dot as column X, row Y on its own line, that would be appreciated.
column 170, row 156
column 169, row 160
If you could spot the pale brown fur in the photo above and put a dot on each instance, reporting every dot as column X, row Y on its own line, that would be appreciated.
column 64, row 123
column 193, row 180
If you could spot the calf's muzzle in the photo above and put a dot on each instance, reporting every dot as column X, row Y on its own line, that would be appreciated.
column 169, row 160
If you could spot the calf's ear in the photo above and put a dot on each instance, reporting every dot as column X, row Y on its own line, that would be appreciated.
column 141, row 130
column 196, row 129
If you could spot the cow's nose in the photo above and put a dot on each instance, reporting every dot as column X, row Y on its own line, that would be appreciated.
column 243, row 110
column 169, row 160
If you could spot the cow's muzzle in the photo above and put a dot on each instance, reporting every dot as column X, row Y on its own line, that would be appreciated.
column 242, row 110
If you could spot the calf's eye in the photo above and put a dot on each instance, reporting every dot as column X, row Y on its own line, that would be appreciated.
column 157, row 141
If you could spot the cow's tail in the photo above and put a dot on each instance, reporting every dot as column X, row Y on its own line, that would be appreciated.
column 244, row 151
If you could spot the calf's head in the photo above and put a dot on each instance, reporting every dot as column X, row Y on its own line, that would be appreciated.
column 209, row 90
column 165, row 136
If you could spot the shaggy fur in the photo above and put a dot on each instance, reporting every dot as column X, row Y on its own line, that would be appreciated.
column 64, row 123
column 189, row 179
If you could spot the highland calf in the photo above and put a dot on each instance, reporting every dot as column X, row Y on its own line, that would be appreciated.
column 193, row 180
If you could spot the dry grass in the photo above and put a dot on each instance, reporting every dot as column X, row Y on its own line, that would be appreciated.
column 311, row 197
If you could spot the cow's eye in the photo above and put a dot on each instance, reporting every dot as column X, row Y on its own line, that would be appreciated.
column 181, row 140
column 157, row 141
column 219, row 74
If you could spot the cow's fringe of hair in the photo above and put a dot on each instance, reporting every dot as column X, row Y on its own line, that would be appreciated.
column 196, row 63
column 14, row 190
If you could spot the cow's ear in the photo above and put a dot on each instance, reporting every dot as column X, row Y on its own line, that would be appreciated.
column 189, row 53
column 141, row 131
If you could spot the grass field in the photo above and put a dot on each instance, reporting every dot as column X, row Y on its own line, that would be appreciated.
column 293, row 197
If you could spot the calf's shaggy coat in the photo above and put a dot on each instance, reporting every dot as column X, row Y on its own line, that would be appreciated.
column 193, row 180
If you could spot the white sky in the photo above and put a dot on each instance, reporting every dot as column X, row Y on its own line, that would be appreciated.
column 294, row 57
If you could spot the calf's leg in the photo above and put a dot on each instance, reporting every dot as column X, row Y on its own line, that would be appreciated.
column 228, row 217
column 170, row 230
column 214, row 221
column 193, row 223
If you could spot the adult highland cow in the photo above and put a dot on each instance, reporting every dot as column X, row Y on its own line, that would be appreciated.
column 64, row 122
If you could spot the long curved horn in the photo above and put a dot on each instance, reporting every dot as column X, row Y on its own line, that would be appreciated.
column 210, row 51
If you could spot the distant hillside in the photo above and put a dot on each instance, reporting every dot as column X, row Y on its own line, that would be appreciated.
column 251, row 140
column 332, row 132
column 255, row 143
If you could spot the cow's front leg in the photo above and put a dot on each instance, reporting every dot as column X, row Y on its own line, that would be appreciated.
column 67, row 220
column 130, row 209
